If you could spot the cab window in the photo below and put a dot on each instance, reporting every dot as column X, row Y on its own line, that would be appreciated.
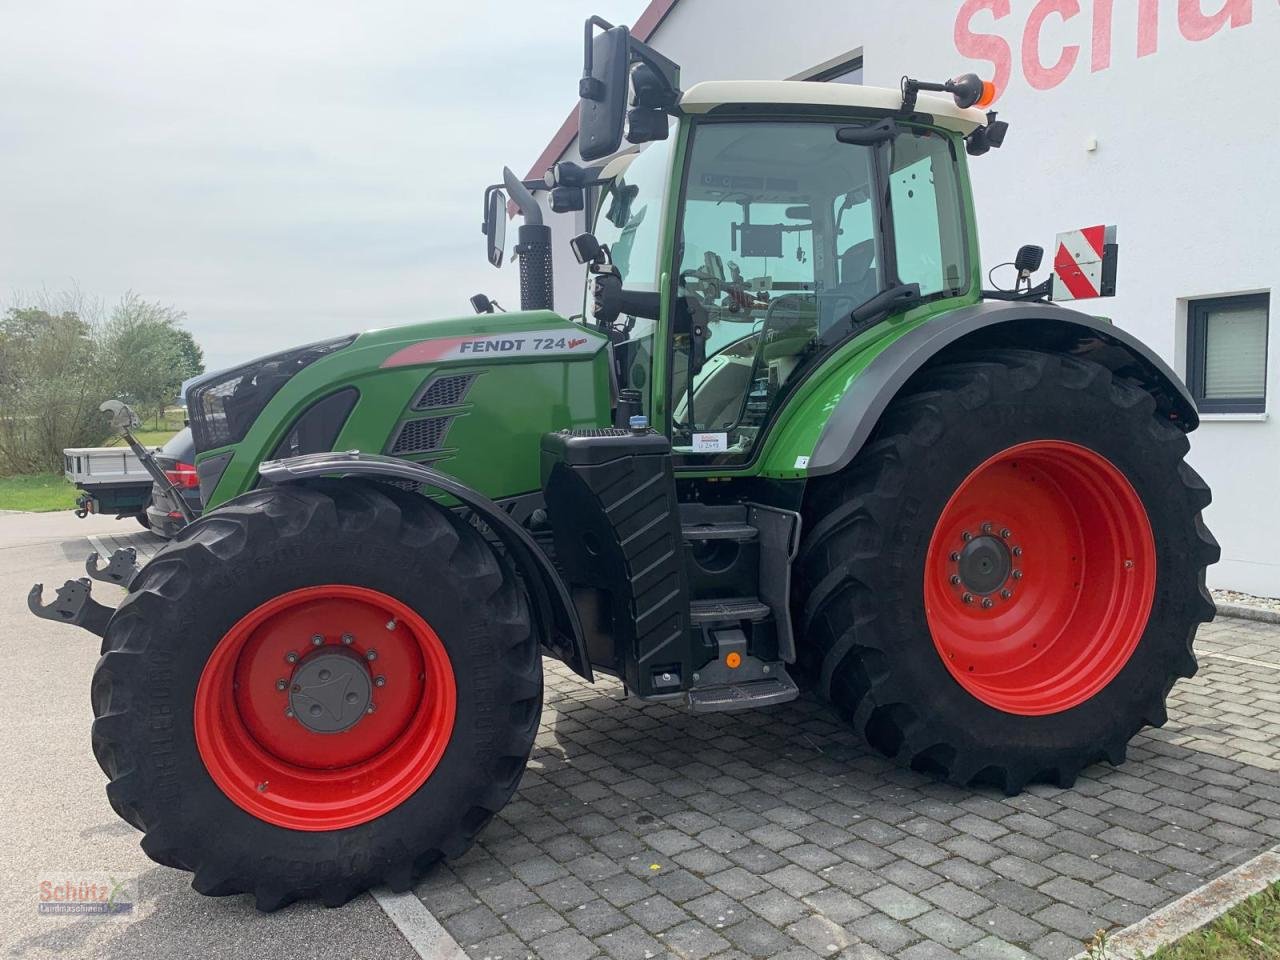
column 777, row 242
column 927, row 230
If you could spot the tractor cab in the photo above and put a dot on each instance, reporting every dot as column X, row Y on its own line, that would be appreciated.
column 750, row 229
column 783, row 230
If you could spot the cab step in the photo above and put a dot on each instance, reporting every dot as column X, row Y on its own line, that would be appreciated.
column 728, row 611
column 747, row 695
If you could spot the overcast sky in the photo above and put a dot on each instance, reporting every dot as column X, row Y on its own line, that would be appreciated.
column 282, row 172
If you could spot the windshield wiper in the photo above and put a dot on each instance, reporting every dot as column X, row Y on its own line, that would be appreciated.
column 901, row 296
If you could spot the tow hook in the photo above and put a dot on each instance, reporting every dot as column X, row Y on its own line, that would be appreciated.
column 120, row 569
column 74, row 603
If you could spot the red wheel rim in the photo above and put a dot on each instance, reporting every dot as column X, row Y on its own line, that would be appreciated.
column 1039, row 577
column 336, row 656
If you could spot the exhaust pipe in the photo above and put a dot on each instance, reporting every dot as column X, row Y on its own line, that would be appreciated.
column 533, row 247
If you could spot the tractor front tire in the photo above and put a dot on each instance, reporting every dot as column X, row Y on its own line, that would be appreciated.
column 1005, row 583
column 316, row 689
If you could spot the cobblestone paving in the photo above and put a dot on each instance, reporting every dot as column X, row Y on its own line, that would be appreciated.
column 644, row 832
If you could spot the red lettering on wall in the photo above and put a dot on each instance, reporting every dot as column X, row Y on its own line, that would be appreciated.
column 985, row 46
column 1195, row 25
column 1101, row 54
column 1038, row 75
column 1148, row 27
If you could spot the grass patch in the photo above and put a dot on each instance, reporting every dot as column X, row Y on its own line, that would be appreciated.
column 1248, row 931
column 41, row 492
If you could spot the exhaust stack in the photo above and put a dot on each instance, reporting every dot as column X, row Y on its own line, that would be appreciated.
column 533, row 248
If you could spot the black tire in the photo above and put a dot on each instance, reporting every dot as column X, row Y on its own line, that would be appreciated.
column 142, row 517
column 866, row 643
column 261, row 545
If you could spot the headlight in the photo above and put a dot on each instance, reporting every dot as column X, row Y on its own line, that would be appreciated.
column 223, row 407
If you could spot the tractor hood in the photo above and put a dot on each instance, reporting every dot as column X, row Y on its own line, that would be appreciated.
column 471, row 395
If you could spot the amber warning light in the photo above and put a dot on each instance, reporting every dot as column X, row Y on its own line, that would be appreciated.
column 969, row 90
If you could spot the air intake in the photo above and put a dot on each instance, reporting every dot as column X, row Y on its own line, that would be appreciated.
column 445, row 391
column 422, row 436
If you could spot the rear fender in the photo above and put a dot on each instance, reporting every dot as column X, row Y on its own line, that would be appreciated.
column 556, row 616
column 992, row 325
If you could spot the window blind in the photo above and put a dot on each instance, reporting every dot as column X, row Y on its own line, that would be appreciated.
column 1235, row 354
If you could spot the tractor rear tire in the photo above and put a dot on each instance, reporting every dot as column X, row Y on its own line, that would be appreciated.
column 1005, row 583
column 316, row 689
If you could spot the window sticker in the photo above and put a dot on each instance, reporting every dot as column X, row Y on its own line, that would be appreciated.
column 710, row 442
column 801, row 462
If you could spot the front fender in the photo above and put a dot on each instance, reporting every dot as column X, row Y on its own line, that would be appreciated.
column 549, row 598
column 991, row 325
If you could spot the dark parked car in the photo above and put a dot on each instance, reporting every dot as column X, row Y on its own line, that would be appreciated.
column 177, row 459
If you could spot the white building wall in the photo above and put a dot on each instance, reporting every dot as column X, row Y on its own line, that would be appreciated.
column 1186, row 164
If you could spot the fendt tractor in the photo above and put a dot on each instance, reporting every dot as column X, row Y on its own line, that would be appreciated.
column 791, row 443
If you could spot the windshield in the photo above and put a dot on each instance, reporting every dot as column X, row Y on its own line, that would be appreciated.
column 780, row 240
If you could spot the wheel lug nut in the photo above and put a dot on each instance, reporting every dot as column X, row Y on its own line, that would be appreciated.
column 986, row 603
column 371, row 655
column 1017, row 574
column 967, row 598
column 288, row 711
column 282, row 684
column 379, row 681
column 955, row 580
column 291, row 657
column 1006, row 594
column 369, row 709
column 1017, row 551
column 317, row 641
column 986, row 528
column 348, row 639
column 966, row 536
column 955, row 557
column 1004, row 532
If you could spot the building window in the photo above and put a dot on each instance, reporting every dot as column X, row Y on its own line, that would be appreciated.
column 846, row 71
column 1227, row 353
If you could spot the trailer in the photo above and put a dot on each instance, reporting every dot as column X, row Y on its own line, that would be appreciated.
column 112, row 480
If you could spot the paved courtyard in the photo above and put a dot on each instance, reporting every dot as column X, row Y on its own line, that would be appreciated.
column 643, row 832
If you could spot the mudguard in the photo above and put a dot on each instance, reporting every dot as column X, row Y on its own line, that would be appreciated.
column 549, row 597
column 991, row 325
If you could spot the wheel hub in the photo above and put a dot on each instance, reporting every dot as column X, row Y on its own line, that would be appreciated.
column 985, row 564
column 331, row 691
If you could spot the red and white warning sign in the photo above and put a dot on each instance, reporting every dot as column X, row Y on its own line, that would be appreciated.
column 1084, row 263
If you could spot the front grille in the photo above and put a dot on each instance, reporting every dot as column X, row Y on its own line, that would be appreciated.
column 445, row 391
column 422, row 436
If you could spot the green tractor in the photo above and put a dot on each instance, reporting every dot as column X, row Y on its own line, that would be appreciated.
column 790, row 443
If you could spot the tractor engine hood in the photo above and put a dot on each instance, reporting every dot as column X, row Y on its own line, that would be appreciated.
column 462, row 393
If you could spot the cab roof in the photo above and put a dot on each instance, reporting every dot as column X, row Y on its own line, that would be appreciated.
column 705, row 97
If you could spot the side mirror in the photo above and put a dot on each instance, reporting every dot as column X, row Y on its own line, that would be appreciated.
column 495, row 224
column 481, row 304
column 603, row 89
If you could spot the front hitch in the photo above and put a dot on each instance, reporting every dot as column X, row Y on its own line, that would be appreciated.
column 74, row 604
